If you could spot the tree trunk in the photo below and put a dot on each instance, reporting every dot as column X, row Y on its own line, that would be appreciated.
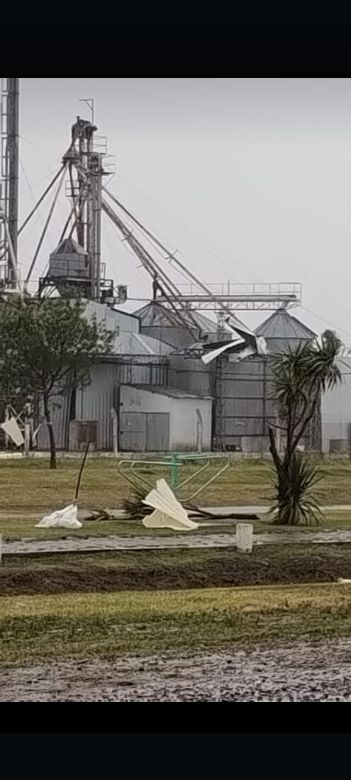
column 281, row 467
column 51, row 432
column 273, row 448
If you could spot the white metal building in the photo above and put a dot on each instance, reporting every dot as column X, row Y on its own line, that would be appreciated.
column 336, row 413
column 162, row 419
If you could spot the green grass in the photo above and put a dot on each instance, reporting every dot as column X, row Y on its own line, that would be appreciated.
column 44, row 627
column 30, row 490
column 24, row 527
column 31, row 486
column 20, row 527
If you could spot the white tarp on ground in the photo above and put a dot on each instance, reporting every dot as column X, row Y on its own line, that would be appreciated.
column 63, row 518
column 169, row 513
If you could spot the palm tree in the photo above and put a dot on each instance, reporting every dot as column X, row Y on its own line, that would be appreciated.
column 300, row 377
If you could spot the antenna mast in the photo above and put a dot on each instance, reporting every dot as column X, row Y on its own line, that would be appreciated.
column 9, row 176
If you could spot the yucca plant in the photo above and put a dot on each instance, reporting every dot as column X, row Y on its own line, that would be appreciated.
column 296, row 502
column 300, row 377
column 134, row 507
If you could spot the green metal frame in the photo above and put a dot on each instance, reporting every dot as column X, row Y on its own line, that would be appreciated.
column 128, row 469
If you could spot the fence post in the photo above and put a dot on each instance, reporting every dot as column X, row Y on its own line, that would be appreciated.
column 244, row 540
column 27, row 432
column 114, row 431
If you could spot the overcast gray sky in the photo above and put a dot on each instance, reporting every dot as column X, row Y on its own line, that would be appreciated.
column 250, row 179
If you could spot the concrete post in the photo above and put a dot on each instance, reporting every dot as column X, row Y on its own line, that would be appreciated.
column 244, row 534
column 7, row 418
column 199, row 430
column 27, row 431
column 114, row 431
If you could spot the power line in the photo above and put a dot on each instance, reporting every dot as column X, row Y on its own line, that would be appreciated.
column 214, row 252
column 326, row 322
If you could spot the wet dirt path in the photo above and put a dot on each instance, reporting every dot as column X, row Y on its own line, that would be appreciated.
column 299, row 672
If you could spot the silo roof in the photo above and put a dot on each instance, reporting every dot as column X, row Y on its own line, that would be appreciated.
column 138, row 344
column 154, row 314
column 69, row 246
column 282, row 325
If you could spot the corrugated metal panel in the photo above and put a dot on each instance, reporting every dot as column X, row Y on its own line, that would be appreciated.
column 283, row 345
column 148, row 372
column 243, row 407
column 111, row 318
column 139, row 344
column 192, row 375
column 241, row 402
column 169, row 391
column 132, row 431
column 144, row 432
column 245, row 388
column 95, row 402
column 243, row 426
column 156, row 315
column 251, row 368
column 161, row 323
column 175, row 337
column 60, row 419
column 157, row 432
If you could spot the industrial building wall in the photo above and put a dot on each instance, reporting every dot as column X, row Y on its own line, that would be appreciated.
column 191, row 375
column 96, row 401
column 182, row 411
column 336, row 413
column 241, row 398
column 276, row 345
column 60, row 406
column 242, row 405
column 142, row 371
column 184, row 423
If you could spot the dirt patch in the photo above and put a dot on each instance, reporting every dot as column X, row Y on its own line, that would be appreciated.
column 211, row 568
column 299, row 672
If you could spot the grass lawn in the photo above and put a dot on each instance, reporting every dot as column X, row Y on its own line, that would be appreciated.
column 20, row 527
column 153, row 622
column 31, row 486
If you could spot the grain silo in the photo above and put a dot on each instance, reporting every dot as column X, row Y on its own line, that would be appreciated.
column 282, row 331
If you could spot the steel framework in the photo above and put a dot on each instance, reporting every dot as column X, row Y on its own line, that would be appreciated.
column 9, row 173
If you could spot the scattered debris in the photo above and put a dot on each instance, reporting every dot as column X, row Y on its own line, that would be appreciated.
column 168, row 511
column 63, row 518
column 67, row 517
column 13, row 431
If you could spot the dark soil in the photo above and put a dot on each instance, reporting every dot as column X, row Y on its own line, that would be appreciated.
column 147, row 570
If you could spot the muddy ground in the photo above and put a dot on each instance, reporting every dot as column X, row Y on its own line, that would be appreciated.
column 302, row 672
column 274, row 564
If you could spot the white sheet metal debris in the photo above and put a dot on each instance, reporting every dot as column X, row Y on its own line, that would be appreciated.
column 13, row 431
column 169, row 513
